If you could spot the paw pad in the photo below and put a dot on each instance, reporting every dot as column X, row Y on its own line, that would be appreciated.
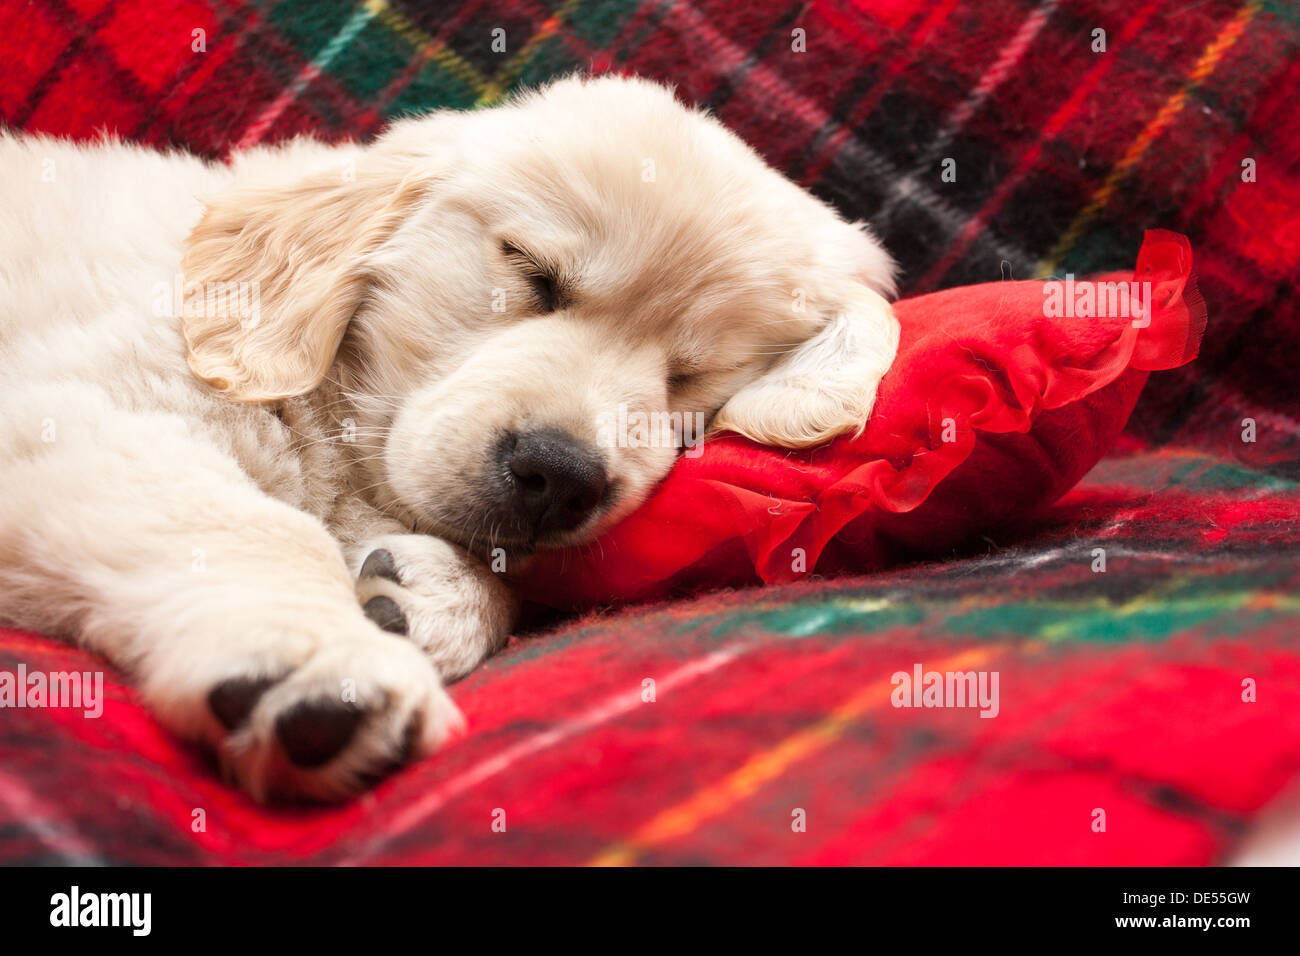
column 385, row 612
column 380, row 564
column 312, row 732
column 234, row 699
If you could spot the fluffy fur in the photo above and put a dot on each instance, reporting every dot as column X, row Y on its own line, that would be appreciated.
column 214, row 491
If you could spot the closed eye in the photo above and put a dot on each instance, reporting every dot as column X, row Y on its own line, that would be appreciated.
column 545, row 284
column 544, row 291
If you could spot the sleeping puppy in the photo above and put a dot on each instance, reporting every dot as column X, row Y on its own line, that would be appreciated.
column 274, row 435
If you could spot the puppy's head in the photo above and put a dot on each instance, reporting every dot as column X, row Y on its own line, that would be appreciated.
column 533, row 309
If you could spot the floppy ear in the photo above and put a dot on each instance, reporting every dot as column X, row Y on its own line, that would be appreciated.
column 297, row 252
column 825, row 387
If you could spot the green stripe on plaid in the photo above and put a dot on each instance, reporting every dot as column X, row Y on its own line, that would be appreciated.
column 549, row 58
column 369, row 63
column 599, row 22
column 309, row 25
column 1213, row 602
column 435, row 84
column 372, row 61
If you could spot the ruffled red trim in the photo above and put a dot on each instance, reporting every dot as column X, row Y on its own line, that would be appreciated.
column 1011, row 401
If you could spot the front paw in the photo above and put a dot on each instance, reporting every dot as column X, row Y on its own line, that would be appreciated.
column 437, row 595
column 299, row 705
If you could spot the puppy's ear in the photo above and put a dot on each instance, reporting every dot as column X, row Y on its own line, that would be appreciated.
column 825, row 387
column 294, row 257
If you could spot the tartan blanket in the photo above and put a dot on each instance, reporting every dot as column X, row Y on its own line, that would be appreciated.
column 1147, row 713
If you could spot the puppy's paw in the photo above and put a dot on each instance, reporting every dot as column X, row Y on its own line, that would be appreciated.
column 438, row 596
column 318, row 716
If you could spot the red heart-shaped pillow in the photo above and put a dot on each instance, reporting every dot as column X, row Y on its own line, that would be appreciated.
column 1001, row 398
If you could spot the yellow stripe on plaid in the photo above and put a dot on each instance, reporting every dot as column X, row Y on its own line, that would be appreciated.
column 501, row 83
column 1205, row 65
column 714, row 800
column 428, row 47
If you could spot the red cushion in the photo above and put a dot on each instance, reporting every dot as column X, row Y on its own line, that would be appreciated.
column 995, row 406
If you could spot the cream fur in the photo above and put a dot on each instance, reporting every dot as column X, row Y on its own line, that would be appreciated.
column 192, row 492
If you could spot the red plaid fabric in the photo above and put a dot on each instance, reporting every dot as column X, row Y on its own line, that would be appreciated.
column 1162, row 692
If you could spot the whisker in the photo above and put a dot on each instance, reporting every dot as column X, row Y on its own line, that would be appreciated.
column 362, row 491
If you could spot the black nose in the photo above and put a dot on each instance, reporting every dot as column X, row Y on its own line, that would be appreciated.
column 558, row 481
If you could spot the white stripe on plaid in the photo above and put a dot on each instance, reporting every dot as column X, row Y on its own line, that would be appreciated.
column 602, row 713
column 762, row 80
column 1006, row 61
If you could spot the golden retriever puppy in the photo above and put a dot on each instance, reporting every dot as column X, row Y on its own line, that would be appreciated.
column 274, row 435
